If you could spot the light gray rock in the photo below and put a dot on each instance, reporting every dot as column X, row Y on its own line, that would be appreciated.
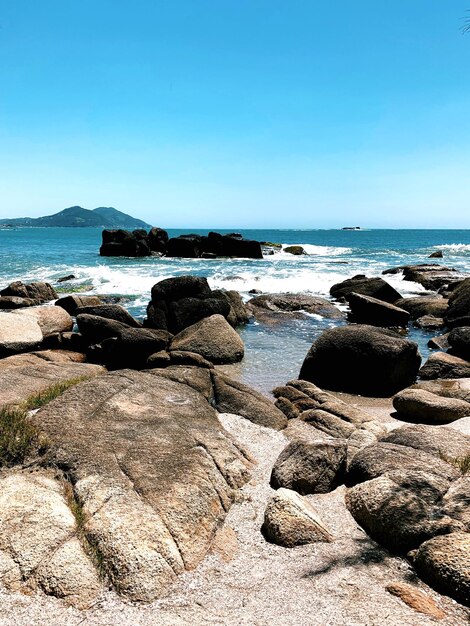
column 39, row 547
column 425, row 407
column 51, row 319
column 456, row 503
column 18, row 333
column 153, row 470
column 290, row 520
column 213, row 338
column 444, row 365
column 439, row 441
column 443, row 562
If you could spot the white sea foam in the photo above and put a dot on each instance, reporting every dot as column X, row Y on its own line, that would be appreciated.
column 311, row 249
column 455, row 248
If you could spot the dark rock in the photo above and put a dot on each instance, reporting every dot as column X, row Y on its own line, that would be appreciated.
column 439, row 343
column 132, row 347
column 123, row 243
column 459, row 340
column 185, row 246
column 367, row 310
column 15, row 302
column 429, row 322
column 296, row 250
column 443, row 365
column 363, row 360
column 157, row 316
column 41, row 292
column 238, row 313
column 310, row 467
column 66, row 278
column 157, row 240
column 231, row 396
column 436, row 255
column 430, row 275
column 110, row 312
column 187, row 311
column 458, row 313
column 95, row 329
column 181, row 287
column 374, row 287
column 423, row 305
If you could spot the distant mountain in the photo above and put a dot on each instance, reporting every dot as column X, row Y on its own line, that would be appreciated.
column 76, row 216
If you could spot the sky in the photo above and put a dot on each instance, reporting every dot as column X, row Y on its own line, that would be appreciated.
column 238, row 113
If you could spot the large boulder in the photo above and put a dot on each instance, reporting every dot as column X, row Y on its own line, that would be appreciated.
column 157, row 240
column 423, row 305
column 382, row 458
column 444, row 365
column 95, row 329
column 15, row 302
column 152, row 471
column 293, row 303
column 187, row 311
column 362, row 359
column 238, row 313
column 310, row 467
column 43, row 550
column 124, row 243
column 367, row 310
column 438, row 441
column 422, row 406
column 373, row 287
column 181, row 287
column 18, row 333
column 231, row 396
column 396, row 515
column 459, row 340
column 289, row 520
column 185, row 246
column 131, row 348
column 51, row 319
column 443, row 562
column 40, row 292
column 458, row 313
column 447, row 387
column 456, row 502
column 213, row 338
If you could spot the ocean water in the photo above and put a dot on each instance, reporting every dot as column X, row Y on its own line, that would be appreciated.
column 273, row 354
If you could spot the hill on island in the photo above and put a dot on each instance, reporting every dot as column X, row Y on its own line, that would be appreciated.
column 77, row 216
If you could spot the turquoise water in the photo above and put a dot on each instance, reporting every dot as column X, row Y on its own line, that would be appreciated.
column 273, row 354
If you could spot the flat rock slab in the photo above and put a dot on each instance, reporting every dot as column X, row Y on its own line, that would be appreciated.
column 152, row 469
column 25, row 375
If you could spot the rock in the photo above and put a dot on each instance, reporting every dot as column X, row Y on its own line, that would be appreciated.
column 197, row 378
column 95, row 329
column 18, row 333
column 416, row 599
column 238, row 313
column 439, row 343
column 441, row 442
column 361, row 359
column 382, row 458
column 165, row 359
column 75, row 301
column 459, row 340
column 456, row 502
column 158, row 240
column 430, row 275
column 213, row 338
column 225, row 544
column 296, row 250
column 43, row 551
column 14, row 302
column 131, row 348
column 458, row 313
column 51, row 319
column 181, row 287
column 423, row 305
column 159, row 359
column 65, row 279
column 187, row 311
column 42, row 292
column 396, row 517
column 424, row 407
column 367, row 310
column 373, row 287
column 328, row 423
column 310, row 467
column 153, row 472
column 231, row 396
column 289, row 520
column 292, row 302
column 124, row 243
column 429, row 322
column 185, row 246
column 109, row 312
column 26, row 375
column 443, row 563
column 443, row 365
column 438, row 254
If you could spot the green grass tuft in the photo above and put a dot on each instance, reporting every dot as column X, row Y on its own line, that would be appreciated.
column 38, row 400
column 18, row 437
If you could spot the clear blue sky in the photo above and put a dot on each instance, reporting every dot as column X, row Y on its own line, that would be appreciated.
column 238, row 113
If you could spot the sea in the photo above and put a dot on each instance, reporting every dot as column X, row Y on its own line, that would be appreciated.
column 273, row 353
